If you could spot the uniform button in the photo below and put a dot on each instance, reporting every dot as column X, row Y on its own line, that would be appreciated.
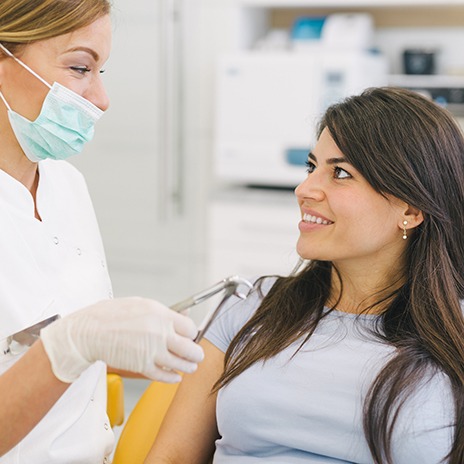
column 92, row 399
column 106, row 426
column 55, row 240
column 79, row 251
column 110, row 294
column 103, row 263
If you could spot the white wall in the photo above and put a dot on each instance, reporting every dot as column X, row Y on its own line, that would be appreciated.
column 149, row 253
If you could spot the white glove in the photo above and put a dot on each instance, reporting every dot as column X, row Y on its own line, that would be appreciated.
column 132, row 334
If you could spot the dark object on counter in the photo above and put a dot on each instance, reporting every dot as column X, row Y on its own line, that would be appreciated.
column 419, row 61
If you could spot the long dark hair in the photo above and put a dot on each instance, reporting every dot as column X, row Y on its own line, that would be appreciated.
column 407, row 147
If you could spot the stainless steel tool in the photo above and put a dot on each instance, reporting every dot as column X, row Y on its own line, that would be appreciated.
column 230, row 286
column 23, row 339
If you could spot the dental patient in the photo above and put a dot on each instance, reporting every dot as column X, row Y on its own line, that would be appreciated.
column 358, row 356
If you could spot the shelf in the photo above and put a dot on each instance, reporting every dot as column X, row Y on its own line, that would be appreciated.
column 446, row 90
column 347, row 3
column 422, row 80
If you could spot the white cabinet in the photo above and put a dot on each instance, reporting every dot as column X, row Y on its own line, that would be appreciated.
column 252, row 232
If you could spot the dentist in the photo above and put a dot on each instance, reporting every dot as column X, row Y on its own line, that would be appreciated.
column 53, row 393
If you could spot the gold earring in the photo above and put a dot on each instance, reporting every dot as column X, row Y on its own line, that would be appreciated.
column 405, row 235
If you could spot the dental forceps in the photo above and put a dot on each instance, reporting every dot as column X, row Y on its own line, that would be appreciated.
column 229, row 285
column 20, row 341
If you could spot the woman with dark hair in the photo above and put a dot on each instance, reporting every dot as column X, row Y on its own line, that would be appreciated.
column 358, row 356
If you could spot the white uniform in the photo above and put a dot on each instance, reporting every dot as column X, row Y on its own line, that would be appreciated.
column 54, row 266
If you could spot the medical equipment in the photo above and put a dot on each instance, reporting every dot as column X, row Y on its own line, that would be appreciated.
column 268, row 105
column 23, row 339
column 229, row 285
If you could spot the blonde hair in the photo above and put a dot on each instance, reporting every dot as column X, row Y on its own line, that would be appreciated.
column 26, row 21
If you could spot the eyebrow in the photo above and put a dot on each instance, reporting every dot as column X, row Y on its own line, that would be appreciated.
column 312, row 156
column 91, row 52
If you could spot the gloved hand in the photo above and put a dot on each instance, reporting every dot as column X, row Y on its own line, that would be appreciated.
column 132, row 334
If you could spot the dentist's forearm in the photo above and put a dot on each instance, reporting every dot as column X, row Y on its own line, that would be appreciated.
column 28, row 390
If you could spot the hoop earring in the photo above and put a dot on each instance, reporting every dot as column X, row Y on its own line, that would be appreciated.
column 405, row 234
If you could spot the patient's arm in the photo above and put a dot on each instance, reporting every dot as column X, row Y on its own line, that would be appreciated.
column 189, row 429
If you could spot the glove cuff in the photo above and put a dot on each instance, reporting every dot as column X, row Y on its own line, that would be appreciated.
column 66, row 361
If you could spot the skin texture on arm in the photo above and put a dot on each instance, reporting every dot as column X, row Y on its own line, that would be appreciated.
column 125, row 374
column 28, row 390
column 189, row 429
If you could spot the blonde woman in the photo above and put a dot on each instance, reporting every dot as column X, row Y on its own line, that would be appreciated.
column 53, row 407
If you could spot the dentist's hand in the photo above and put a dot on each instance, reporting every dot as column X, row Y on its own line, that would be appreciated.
column 132, row 334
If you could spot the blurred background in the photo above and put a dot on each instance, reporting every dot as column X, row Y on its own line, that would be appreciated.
column 213, row 112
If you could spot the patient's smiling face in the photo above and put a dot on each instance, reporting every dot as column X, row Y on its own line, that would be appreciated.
column 343, row 218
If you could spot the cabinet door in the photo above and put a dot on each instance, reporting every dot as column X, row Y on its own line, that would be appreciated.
column 253, row 235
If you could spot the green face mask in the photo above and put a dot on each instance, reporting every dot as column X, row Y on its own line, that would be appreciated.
column 65, row 123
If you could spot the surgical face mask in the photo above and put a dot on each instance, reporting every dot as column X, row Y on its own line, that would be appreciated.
column 65, row 123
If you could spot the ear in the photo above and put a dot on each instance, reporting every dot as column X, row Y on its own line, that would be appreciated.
column 3, row 64
column 413, row 216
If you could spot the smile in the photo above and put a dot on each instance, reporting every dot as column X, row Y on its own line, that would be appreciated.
column 315, row 219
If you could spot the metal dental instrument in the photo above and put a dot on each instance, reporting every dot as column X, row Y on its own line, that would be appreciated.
column 26, row 337
column 229, row 285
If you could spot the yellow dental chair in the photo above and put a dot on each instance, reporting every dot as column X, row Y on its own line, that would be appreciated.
column 143, row 423
column 115, row 401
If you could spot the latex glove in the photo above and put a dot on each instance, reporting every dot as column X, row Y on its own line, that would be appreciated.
column 132, row 334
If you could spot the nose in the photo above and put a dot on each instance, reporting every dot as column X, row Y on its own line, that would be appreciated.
column 310, row 188
column 97, row 94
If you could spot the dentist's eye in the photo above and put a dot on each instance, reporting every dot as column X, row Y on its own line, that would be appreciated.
column 311, row 167
column 340, row 173
column 81, row 69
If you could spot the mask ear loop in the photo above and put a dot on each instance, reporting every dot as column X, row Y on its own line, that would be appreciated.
column 1, row 93
column 25, row 66
column 8, row 107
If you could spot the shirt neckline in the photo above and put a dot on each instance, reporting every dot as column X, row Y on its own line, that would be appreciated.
column 17, row 196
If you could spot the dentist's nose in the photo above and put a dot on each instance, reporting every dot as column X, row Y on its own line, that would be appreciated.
column 98, row 96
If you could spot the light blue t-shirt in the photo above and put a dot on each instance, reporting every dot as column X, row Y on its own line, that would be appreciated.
column 308, row 408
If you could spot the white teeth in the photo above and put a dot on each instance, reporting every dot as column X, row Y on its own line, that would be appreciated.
column 315, row 219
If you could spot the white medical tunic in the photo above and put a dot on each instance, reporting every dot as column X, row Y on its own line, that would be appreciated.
column 54, row 266
column 307, row 407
